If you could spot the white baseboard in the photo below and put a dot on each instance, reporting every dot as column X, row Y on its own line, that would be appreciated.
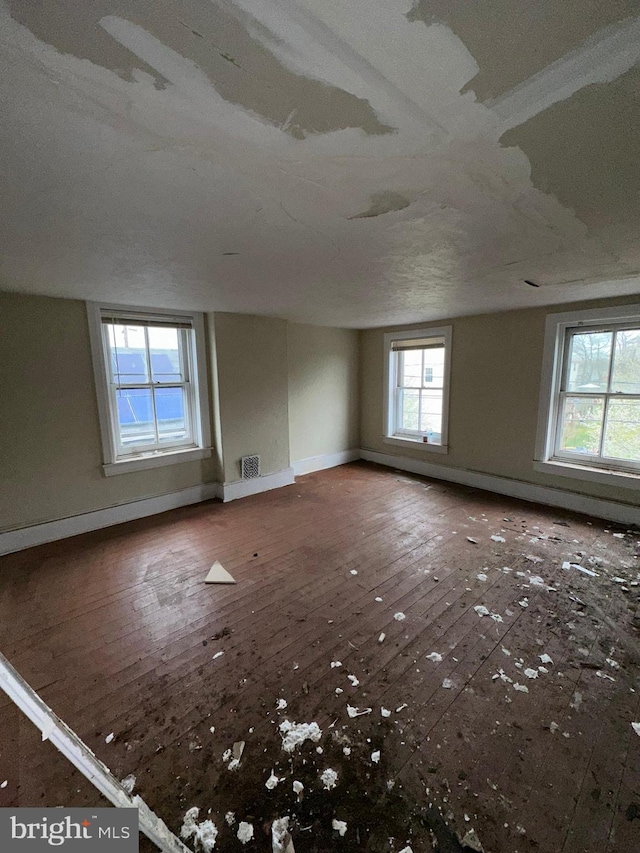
column 38, row 534
column 244, row 488
column 609, row 510
column 327, row 460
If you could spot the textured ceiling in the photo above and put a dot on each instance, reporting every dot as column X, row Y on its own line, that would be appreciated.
column 354, row 164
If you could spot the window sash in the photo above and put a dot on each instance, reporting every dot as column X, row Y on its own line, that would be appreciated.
column 400, row 388
column 122, row 449
column 599, row 460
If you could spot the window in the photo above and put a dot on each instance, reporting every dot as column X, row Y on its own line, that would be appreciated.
column 150, row 380
column 590, row 408
column 417, row 387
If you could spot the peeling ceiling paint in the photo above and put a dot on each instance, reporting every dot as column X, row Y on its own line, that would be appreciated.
column 316, row 160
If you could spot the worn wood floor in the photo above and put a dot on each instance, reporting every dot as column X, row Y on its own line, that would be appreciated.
column 488, row 741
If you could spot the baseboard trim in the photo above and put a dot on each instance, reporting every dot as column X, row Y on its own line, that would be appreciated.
column 609, row 510
column 244, row 488
column 327, row 460
column 50, row 531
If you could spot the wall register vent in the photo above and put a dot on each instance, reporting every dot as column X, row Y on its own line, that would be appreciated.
column 250, row 466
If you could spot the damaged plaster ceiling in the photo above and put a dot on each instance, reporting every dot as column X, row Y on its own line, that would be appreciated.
column 352, row 164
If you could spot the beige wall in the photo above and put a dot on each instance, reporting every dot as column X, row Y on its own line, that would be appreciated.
column 50, row 451
column 496, row 362
column 253, row 391
column 323, row 390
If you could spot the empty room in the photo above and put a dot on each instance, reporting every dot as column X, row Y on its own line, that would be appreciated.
column 320, row 426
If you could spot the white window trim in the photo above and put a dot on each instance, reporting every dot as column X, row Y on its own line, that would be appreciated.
column 555, row 329
column 202, row 428
column 388, row 437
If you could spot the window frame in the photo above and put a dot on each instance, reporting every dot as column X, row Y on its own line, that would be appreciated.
column 390, row 434
column 198, row 445
column 548, row 458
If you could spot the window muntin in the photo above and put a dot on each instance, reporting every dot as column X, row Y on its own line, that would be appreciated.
column 417, row 389
column 597, row 410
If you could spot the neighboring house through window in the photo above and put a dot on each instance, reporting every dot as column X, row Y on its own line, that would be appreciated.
column 417, row 387
column 590, row 401
column 151, row 386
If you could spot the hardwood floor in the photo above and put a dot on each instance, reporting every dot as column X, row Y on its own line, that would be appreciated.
column 118, row 633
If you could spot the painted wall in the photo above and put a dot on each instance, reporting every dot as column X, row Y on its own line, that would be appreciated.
column 323, row 390
column 496, row 362
column 253, row 391
column 50, row 451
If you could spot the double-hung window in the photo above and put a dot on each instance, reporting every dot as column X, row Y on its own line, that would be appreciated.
column 590, row 408
column 150, row 379
column 417, row 387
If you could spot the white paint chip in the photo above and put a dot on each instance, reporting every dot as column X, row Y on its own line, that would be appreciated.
column 295, row 734
column 354, row 681
column 521, row 688
column 218, row 574
column 340, row 826
column 436, row 657
column 329, row 778
column 498, row 538
column 399, row 616
column 272, row 782
column 281, row 704
column 481, row 576
column 335, row 663
column 381, row 637
column 378, row 599
column 353, row 572
column 217, row 655
column 634, row 726
column 448, row 684
column 203, row 834
column 545, row 658
column 357, row 712
column 109, row 738
column 531, row 673
column 375, row 756
column 6, row 781
column 245, row 832
column 385, row 712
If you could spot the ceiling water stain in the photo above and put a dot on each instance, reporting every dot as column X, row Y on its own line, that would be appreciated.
column 517, row 40
column 242, row 70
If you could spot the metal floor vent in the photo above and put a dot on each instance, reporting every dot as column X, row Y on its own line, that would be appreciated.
column 250, row 466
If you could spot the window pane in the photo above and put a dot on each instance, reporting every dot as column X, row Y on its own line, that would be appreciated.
column 622, row 435
column 434, row 367
column 170, row 411
column 135, row 416
column 431, row 415
column 626, row 362
column 128, row 354
column 582, row 425
column 409, row 410
column 411, row 369
column 589, row 355
column 164, row 346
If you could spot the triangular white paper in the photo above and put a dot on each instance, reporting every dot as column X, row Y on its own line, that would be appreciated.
column 218, row 574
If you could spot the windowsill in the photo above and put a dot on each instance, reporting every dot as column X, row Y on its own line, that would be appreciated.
column 155, row 460
column 626, row 479
column 418, row 445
